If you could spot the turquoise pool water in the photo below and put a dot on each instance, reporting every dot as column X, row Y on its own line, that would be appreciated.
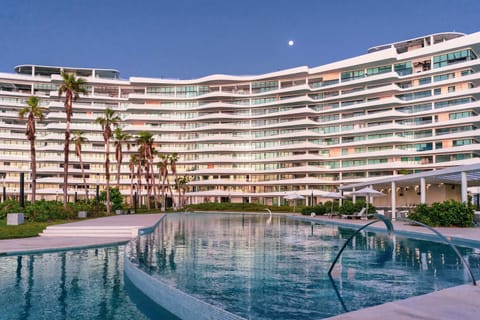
column 261, row 268
column 79, row 284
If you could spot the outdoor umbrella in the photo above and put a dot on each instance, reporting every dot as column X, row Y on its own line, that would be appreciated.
column 293, row 196
column 367, row 192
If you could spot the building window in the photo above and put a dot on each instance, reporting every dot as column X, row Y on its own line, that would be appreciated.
column 352, row 75
column 451, row 89
column 403, row 68
column 453, row 57
column 437, row 91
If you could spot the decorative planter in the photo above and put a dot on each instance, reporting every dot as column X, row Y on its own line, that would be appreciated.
column 118, row 211
column 14, row 219
column 82, row 214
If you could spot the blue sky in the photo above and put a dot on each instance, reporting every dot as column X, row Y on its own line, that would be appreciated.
column 193, row 38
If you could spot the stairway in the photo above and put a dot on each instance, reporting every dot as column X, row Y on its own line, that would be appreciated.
column 91, row 231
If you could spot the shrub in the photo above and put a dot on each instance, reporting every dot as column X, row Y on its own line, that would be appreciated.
column 348, row 207
column 318, row 209
column 9, row 206
column 445, row 214
column 43, row 210
column 116, row 198
column 236, row 207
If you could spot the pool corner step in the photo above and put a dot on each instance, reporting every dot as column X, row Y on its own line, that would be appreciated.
column 91, row 231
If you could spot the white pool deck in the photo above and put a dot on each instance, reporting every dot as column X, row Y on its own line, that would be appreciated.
column 462, row 302
column 72, row 235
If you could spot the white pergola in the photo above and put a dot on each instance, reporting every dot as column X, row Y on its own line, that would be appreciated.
column 465, row 176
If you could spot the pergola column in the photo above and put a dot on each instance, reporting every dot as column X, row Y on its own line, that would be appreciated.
column 423, row 191
column 393, row 199
column 463, row 187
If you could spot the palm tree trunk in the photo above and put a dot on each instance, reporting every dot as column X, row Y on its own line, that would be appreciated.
column 107, row 173
column 139, row 185
column 170, row 189
column 148, row 183
column 83, row 176
column 162, row 174
column 155, row 199
column 119, row 163
column 132, row 174
column 34, row 170
column 66, row 151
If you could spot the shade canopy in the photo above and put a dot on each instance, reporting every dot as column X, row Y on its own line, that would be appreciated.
column 293, row 196
column 331, row 195
column 367, row 191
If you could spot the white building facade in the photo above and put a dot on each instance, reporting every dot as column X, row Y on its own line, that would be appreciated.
column 402, row 108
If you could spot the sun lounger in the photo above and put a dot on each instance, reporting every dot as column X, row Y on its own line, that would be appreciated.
column 357, row 215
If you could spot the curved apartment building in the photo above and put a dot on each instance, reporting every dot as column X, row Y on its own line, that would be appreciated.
column 401, row 108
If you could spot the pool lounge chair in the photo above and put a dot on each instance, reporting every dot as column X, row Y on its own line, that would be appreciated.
column 357, row 215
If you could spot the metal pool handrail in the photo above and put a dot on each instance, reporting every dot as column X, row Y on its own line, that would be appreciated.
column 389, row 225
column 378, row 217
column 465, row 263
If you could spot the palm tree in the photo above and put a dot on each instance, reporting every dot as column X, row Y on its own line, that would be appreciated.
column 163, row 171
column 34, row 111
column 145, row 141
column 173, row 167
column 79, row 139
column 140, row 164
column 72, row 87
column 131, row 165
column 181, row 184
column 107, row 121
column 120, row 138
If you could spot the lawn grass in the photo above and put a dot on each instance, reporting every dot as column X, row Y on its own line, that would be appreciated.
column 26, row 230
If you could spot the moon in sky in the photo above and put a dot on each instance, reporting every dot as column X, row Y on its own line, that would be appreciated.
column 291, row 43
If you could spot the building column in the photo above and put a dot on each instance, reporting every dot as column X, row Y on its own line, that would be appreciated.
column 423, row 191
column 354, row 197
column 463, row 187
column 393, row 199
column 279, row 201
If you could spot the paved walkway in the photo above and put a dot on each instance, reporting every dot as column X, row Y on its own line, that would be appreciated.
column 25, row 245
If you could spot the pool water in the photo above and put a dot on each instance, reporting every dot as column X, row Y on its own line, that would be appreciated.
column 79, row 284
column 276, row 268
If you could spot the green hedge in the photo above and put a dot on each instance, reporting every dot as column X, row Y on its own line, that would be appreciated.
column 227, row 206
column 445, row 214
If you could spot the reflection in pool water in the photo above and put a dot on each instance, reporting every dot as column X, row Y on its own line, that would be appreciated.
column 279, row 270
column 80, row 284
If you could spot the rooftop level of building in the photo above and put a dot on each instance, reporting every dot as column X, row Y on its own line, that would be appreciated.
column 36, row 70
column 416, row 43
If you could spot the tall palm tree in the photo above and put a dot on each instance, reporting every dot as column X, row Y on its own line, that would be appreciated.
column 131, row 165
column 181, row 183
column 140, row 164
column 173, row 167
column 163, row 171
column 79, row 139
column 72, row 87
column 33, row 112
column 108, row 120
column 145, row 141
column 120, row 139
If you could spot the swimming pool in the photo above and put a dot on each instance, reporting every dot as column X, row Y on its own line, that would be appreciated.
column 276, row 268
column 77, row 284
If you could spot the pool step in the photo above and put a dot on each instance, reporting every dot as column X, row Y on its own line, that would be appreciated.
column 91, row 231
